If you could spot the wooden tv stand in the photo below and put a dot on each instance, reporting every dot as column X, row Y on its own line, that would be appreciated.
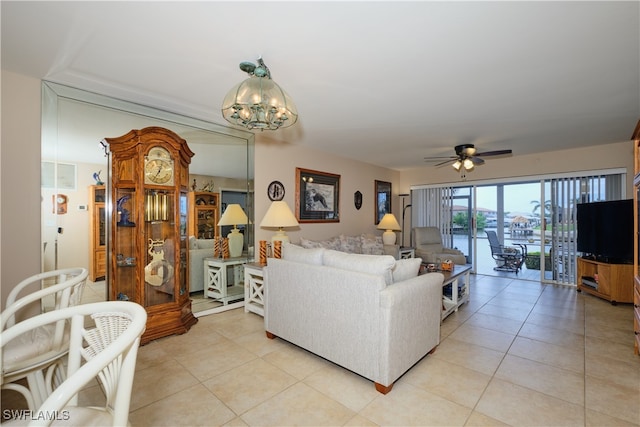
column 612, row 282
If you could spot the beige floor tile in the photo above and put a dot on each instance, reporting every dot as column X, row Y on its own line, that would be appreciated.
column 216, row 359
column 520, row 406
column 484, row 360
column 159, row 381
column 408, row 405
column 611, row 349
column 552, row 310
column 502, row 311
column 194, row 406
column 343, row 386
column 550, row 354
column 248, row 385
column 256, row 343
column 495, row 323
column 597, row 419
column 575, row 326
column 296, row 361
column 556, row 382
column 494, row 340
column 551, row 335
column 442, row 378
column 360, row 421
column 625, row 373
column 299, row 405
column 476, row 419
column 612, row 399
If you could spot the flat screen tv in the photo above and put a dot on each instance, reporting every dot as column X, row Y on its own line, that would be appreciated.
column 605, row 231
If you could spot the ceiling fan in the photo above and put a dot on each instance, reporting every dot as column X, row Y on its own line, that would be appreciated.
column 467, row 157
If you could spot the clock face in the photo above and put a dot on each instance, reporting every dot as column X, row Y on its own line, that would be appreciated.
column 275, row 191
column 158, row 167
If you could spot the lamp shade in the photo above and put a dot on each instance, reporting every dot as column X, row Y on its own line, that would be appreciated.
column 234, row 215
column 279, row 216
column 389, row 223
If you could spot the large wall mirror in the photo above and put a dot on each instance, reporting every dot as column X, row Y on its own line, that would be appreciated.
column 74, row 122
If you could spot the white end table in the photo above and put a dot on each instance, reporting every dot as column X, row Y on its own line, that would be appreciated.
column 253, row 288
column 216, row 282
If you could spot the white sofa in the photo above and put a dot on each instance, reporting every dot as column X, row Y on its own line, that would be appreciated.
column 370, row 314
column 199, row 249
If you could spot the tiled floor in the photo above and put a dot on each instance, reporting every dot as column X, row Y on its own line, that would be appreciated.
column 520, row 353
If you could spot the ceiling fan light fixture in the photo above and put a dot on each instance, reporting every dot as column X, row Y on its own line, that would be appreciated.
column 258, row 102
column 468, row 164
column 457, row 165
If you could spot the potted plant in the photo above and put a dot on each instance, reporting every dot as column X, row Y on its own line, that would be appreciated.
column 532, row 261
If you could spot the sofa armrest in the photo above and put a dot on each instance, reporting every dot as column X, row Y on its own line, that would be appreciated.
column 411, row 313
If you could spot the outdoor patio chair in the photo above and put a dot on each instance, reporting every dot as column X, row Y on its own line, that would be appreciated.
column 508, row 258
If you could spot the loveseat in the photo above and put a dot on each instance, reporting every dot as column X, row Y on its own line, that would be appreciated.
column 368, row 244
column 199, row 249
column 373, row 315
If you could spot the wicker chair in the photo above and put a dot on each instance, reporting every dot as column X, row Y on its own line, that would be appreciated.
column 103, row 344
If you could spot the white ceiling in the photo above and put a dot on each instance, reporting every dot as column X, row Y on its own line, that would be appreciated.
column 384, row 82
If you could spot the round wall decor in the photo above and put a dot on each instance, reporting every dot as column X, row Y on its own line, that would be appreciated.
column 275, row 191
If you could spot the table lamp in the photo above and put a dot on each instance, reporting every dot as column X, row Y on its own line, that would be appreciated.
column 279, row 216
column 234, row 215
column 390, row 224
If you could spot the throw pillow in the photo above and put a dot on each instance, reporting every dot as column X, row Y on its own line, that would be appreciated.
column 405, row 269
column 295, row 253
column 372, row 244
column 350, row 244
column 372, row 264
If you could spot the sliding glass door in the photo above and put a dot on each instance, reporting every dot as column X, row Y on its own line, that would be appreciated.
column 539, row 213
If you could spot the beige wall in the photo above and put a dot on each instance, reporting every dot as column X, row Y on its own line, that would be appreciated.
column 19, row 180
column 20, row 206
column 279, row 162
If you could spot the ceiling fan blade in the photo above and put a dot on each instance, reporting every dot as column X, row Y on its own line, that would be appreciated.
column 476, row 160
column 494, row 153
column 445, row 162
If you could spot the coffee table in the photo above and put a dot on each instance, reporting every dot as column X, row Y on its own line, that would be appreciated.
column 455, row 288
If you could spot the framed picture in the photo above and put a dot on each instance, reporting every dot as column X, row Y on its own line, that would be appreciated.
column 317, row 196
column 382, row 193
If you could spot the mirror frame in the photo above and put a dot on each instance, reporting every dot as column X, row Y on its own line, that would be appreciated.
column 53, row 92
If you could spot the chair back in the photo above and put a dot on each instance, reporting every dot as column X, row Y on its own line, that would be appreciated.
column 103, row 344
column 494, row 243
column 427, row 238
column 56, row 288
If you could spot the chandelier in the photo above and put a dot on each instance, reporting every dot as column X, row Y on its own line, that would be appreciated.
column 258, row 102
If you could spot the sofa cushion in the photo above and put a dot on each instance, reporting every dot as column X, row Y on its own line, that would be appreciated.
column 296, row 253
column 405, row 269
column 371, row 264
column 205, row 243
column 351, row 244
column 372, row 244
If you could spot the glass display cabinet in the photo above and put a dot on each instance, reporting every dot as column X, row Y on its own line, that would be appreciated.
column 148, row 251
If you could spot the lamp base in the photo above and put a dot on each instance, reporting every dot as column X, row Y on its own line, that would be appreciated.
column 236, row 243
column 280, row 235
column 389, row 237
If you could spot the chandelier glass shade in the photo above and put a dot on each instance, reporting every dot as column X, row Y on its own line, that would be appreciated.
column 258, row 102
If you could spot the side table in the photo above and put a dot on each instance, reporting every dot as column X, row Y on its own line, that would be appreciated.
column 216, row 282
column 253, row 288
column 407, row 252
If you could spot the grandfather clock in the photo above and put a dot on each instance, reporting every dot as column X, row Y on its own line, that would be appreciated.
column 148, row 228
